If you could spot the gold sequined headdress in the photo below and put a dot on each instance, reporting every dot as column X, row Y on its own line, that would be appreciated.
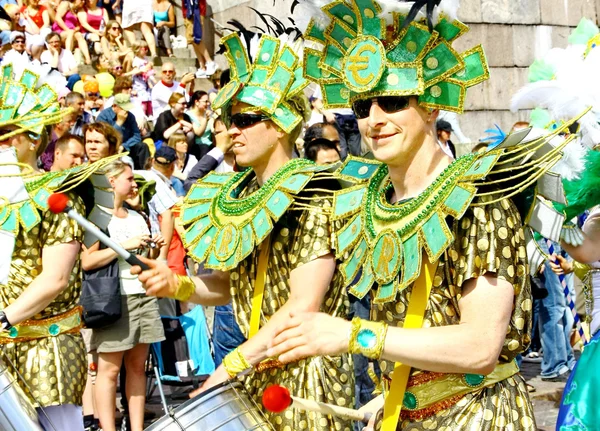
column 26, row 104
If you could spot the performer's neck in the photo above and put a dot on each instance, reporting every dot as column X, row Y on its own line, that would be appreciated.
column 410, row 176
column 264, row 170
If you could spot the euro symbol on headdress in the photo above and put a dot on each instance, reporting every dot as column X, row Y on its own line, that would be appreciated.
column 360, row 62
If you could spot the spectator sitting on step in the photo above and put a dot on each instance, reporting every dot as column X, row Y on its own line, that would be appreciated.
column 37, row 26
column 194, row 12
column 115, row 47
column 175, row 120
column 66, row 24
column 143, row 76
column 163, row 90
column 164, row 21
column 61, row 59
column 120, row 117
column 123, row 85
column 93, row 20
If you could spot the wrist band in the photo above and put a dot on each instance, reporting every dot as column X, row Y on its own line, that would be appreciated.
column 185, row 288
column 235, row 362
column 367, row 338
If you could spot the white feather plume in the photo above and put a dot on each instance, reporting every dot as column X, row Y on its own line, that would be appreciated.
column 572, row 163
column 311, row 9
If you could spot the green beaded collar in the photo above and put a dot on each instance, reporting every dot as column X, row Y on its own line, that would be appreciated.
column 222, row 229
column 387, row 241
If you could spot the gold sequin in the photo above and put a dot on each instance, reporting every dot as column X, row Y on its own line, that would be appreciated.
column 304, row 239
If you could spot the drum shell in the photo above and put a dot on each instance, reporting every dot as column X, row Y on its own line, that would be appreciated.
column 16, row 411
column 226, row 407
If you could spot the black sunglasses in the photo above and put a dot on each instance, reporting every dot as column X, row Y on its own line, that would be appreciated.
column 388, row 104
column 241, row 121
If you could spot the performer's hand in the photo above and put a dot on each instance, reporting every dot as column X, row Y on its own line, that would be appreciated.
column 219, row 376
column 375, row 407
column 158, row 280
column 560, row 265
column 309, row 334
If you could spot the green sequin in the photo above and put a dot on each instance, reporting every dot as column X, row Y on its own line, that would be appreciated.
column 410, row 401
column 54, row 329
column 474, row 379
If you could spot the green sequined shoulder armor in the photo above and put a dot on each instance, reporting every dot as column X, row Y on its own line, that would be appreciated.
column 25, row 212
column 222, row 228
column 384, row 243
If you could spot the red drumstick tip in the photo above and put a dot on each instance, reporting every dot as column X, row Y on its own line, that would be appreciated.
column 276, row 398
column 57, row 202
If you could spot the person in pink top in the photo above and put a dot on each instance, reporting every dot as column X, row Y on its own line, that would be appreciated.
column 93, row 20
column 67, row 26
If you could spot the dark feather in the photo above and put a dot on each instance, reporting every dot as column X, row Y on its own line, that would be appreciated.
column 4, row 15
column 417, row 6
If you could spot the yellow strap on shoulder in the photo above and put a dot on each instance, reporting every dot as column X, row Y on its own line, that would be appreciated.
column 259, row 286
column 414, row 319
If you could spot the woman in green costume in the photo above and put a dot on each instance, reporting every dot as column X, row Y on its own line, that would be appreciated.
column 266, row 233
column 438, row 243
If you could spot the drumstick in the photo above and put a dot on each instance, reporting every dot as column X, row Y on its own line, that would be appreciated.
column 58, row 202
column 277, row 398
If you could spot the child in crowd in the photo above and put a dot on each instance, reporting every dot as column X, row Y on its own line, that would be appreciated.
column 143, row 77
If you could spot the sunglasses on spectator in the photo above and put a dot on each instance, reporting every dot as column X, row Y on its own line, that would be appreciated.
column 388, row 104
column 118, row 67
column 168, row 71
column 115, row 28
column 19, row 41
column 96, row 94
column 241, row 121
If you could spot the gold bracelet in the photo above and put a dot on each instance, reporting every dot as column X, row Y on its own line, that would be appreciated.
column 235, row 362
column 367, row 338
column 185, row 288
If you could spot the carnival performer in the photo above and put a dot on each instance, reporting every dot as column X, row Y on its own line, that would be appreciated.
column 40, row 278
column 438, row 243
column 266, row 233
column 581, row 395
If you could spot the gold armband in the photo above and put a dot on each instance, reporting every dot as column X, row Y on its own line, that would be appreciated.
column 185, row 288
column 235, row 362
column 367, row 338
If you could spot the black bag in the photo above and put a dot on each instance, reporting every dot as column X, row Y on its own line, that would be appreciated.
column 101, row 295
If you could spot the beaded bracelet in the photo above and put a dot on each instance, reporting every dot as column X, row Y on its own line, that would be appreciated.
column 235, row 362
column 185, row 288
column 367, row 338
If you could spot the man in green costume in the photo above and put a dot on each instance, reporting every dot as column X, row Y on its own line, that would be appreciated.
column 437, row 242
column 266, row 233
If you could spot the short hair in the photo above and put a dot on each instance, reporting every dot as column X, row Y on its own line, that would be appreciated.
column 175, row 97
column 121, row 83
column 197, row 95
column 63, row 141
column 311, row 150
column 175, row 138
column 139, row 45
column 109, row 132
column 116, row 168
column 51, row 35
column 73, row 97
column 316, row 131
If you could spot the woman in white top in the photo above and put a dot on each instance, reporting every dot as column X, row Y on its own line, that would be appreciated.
column 129, row 338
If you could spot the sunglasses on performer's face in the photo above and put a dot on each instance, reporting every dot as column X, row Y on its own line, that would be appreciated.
column 388, row 104
column 241, row 121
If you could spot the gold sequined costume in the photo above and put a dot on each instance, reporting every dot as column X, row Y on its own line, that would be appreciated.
column 298, row 238
column 488, row 239
column 53, row 366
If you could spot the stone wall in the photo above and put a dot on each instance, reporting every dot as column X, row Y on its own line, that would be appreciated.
column 513, row 33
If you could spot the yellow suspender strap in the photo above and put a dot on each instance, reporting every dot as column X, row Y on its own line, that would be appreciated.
column 414, row 319
column 259, row 287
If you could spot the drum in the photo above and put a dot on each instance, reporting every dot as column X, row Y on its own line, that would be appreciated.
column 16, row 411
column 226, row 407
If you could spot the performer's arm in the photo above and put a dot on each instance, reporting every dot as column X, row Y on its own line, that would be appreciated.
column 589, row 251
column 160, row 281
column 57, row 264
column 308, row 285
column 473, row 346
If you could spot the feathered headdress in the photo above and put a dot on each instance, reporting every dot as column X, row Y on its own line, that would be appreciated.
column 29, row 103
column 372, row 48
column 266, row 72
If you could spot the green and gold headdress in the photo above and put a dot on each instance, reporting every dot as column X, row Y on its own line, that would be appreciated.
column 268, row 83
column 27, row 104
column 365, row 56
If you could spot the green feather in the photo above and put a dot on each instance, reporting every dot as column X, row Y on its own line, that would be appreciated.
column 584, row 31
column 584, row 192
column 541, row 71
column 540, row 118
